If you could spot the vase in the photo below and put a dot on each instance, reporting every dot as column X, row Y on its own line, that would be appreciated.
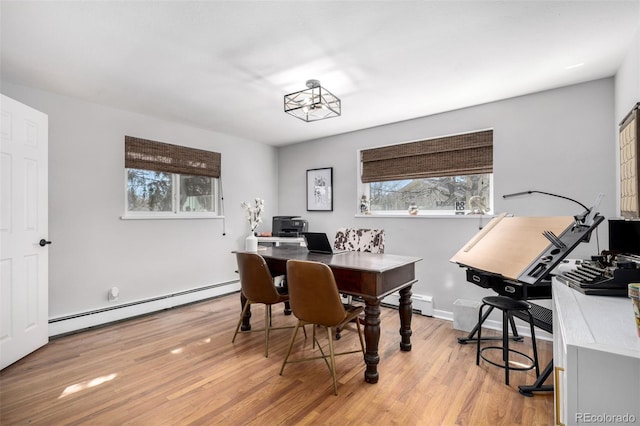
column 251, row 243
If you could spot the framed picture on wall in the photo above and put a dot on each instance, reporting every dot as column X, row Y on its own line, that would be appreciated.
column 320, row 189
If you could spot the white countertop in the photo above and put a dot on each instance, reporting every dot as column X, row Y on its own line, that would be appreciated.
column 599, row 322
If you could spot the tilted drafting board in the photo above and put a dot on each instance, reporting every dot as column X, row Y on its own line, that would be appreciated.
column 509, row 246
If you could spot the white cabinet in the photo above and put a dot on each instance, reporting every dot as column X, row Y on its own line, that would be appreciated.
column 596, row 355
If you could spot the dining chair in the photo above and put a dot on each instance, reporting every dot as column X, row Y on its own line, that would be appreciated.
column 315, row 300
column 258, row 287
column 358, row 239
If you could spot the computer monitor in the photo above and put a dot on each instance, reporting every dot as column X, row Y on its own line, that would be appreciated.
column 624, row 236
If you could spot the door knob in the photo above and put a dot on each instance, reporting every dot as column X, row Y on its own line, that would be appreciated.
column 44, row 242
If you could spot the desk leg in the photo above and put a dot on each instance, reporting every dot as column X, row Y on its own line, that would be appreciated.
column 405, row 310
column 246, row 320
column 287, row 306
column 372, row 338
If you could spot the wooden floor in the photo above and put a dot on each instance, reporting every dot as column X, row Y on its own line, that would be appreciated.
column 179, row 367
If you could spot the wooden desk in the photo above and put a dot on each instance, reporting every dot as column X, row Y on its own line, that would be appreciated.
column 369, row 276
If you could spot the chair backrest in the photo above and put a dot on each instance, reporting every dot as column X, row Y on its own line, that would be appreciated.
column 313, row 293
column 255, row 279
column 353, row 239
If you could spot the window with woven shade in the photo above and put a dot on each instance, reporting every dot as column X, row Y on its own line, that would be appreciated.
column 443, row 175
column 167, row 180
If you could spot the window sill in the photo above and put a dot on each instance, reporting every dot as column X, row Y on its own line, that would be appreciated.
column 170, row 216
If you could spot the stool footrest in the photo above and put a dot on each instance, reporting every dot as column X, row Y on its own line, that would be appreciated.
column 522, row 368
column 464, row 340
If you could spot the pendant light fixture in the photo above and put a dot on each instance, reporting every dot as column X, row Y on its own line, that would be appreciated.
column 312, row 104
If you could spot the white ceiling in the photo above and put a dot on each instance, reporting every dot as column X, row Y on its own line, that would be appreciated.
column 226, row 65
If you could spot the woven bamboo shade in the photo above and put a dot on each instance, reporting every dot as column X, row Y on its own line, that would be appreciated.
column 163, row 157
column 458, row 155
column 630, row 164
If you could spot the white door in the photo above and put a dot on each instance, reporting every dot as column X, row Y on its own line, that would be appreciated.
column 24, row 260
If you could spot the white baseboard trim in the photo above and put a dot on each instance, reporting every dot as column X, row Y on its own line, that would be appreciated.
column 420, row 303
column 445, row 315
column 521, row 326
column 489, row 324
column 84, row 320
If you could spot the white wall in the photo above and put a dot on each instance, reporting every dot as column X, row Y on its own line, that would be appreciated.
column 627, row 80
column 557, row 141
column 561, row 141
column 627, row 92
column 93, row 249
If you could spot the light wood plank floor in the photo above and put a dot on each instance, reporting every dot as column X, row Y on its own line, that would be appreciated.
column 179, row 367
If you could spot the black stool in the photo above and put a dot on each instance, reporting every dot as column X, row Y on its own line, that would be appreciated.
column 508, row 306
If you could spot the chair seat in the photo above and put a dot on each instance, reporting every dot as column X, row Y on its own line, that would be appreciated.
column 506, row 303
column 282, row 298
column 352, row 313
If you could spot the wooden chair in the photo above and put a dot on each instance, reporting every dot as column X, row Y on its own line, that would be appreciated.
column 315, row 300
column 258, row 287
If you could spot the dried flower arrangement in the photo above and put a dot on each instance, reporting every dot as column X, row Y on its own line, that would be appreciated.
column 253, row 213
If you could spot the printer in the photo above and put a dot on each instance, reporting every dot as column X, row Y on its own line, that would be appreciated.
column 288, row 226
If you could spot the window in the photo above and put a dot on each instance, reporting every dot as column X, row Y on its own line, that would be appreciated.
column 447, row 175
column 149, row 191
column 164, row 180
column 197, row 194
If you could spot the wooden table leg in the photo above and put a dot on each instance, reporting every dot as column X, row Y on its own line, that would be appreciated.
column 287, row 306
column 372, row 338
column 246, row 320
column 405, row 310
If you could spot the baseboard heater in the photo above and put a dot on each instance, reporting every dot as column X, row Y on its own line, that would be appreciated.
column 421, row 304
column 80, row 321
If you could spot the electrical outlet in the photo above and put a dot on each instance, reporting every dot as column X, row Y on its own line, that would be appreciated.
column 114, row 293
